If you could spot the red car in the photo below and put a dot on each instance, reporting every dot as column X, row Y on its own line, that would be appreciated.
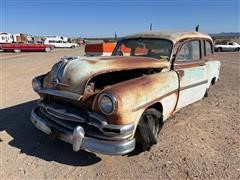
column 18, row 47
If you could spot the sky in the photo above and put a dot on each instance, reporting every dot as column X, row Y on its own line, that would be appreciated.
column 88, row 18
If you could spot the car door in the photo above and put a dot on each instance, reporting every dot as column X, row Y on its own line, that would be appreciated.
column 31, row 47
column 230, row 47
column 66, row 44
column 61, row 44
column 54, row 43
column 192, row 72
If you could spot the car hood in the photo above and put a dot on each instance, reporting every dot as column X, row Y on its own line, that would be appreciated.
column 72, row 73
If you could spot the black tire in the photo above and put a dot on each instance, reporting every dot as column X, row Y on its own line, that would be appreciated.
column 219, row 50
column 237, row 49
column 208, row 89
column 149, row 127
column 207, row 92
column 72, row 46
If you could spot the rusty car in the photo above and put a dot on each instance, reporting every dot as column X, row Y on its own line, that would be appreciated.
column 108, row 104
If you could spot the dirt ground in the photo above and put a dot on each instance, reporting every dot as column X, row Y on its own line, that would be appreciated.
column 200, row 141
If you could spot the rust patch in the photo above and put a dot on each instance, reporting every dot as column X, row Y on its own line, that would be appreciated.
column 180, row 73
column 155, row 100
column 137, row 94
column 182, row 65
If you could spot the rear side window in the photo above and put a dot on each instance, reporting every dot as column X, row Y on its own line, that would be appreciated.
column 190, row 51
column 208, row 48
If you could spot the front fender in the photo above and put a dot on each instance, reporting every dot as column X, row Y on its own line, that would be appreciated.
column 136, row 95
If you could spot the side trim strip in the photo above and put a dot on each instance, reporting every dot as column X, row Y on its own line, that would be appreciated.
column 193, row 85
column 168, row 94
column 155, row 100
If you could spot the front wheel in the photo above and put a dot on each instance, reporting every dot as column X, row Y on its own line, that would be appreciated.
column 72, row 46
column 17, row 50
column 149, row 127
column 219, row 49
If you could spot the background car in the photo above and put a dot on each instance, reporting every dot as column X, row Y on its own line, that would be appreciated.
column 60, row 43
column 18, row 47
column 230, row 46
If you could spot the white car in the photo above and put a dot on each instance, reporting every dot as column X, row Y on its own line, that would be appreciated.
column 60, row 43
column 231, row 46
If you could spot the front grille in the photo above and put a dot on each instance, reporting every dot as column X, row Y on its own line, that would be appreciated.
column 66, row 118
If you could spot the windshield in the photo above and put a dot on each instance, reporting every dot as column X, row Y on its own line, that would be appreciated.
column 155, row 48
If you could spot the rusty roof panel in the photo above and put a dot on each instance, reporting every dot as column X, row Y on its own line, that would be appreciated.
column 173, row 36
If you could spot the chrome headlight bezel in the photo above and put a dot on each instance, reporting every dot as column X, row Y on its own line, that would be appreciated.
column 113, row 101
column 36, row 84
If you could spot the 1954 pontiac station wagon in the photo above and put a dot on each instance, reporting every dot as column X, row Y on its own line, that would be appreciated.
column 107, row 104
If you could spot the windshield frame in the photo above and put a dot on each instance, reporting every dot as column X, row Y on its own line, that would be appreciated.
column 125, row 39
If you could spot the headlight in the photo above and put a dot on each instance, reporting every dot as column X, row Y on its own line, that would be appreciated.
column 107, row 103
column 36, row 84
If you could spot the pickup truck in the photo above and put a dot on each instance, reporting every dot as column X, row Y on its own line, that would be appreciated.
column 25, row 47
column 230, row 46
column 107, row 104
column 58, row 43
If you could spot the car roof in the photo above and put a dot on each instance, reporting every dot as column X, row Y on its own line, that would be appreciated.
column 173, row 36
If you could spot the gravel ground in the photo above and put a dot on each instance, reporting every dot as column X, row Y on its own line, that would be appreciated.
column 200, row 141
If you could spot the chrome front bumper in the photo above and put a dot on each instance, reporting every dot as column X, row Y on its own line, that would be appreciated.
column 79, row 141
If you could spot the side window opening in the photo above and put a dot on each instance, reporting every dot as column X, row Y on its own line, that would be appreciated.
column 190, row 51
column 208, row 48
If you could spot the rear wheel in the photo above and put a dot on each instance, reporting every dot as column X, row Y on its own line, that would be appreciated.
column 207, row 92
column 48, row 49
column 208, row 89
column 17, row 50
column 237, row 49
column 149, row 127
column 72, row 46
column 219, row 49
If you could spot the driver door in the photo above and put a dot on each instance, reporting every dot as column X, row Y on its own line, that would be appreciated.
column 192, row 73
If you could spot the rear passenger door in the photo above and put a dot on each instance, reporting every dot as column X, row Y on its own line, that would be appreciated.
column 211, row 63
column 192, row 72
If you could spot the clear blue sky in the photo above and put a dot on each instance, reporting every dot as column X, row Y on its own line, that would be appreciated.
column 102, row 18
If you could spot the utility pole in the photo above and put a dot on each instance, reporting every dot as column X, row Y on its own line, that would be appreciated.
column 115, row 36
column 150, row 27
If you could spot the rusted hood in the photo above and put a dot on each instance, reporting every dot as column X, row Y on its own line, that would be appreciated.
column 73, row 74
